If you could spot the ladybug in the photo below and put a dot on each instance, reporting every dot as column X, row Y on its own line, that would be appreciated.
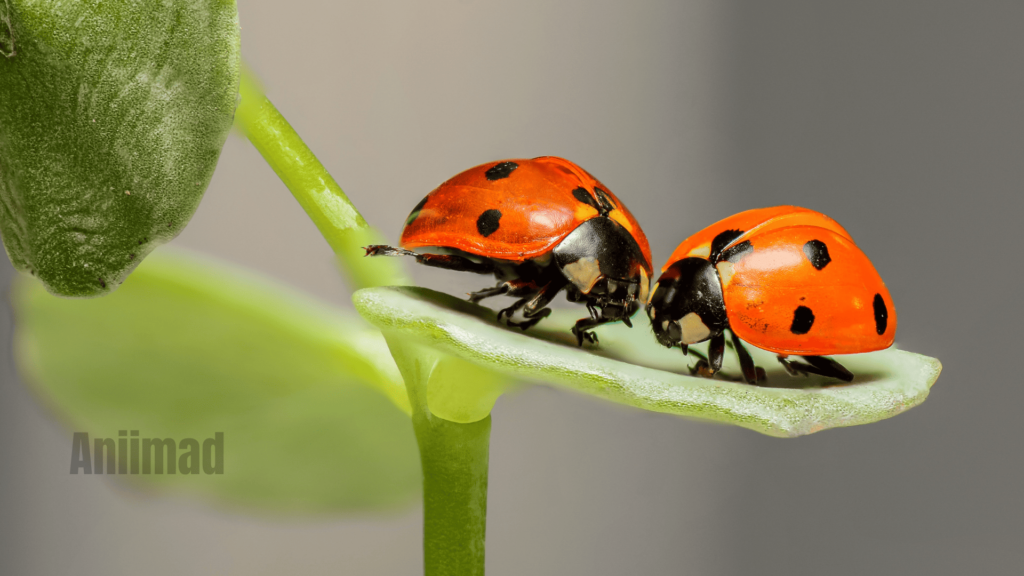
column 540, row 226
column 787, row 280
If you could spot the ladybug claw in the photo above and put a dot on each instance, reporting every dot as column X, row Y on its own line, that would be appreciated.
column 702, row 368
column 579, row 334
column 582, row 335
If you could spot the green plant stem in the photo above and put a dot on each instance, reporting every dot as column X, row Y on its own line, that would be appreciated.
column 325, row 203
column 454, row 458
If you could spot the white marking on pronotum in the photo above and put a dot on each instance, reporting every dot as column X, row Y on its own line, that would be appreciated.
column 725, row 272
column 701, row 251
column 694, row 329
column 584, row 273
column 653, row 292
column 645, row 285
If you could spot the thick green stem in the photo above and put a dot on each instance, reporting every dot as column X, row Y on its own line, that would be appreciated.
column 454, row 459
column 454, row 456
column 319, row 195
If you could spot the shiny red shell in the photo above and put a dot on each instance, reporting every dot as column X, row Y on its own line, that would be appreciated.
column 756, row 221
column 534, row 206
column 796, row 283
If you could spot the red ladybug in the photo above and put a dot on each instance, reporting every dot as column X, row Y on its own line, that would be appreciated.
column 539, row 226
column 785, row 279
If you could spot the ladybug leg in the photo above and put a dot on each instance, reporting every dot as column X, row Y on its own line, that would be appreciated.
column 501, row 288
column 790, row 368
column 583, row 326
column 716, row 352
column 536, row 309
column 817, row 365
column 446, row 261
column 701, row 367
column 823, row 366
column 532, row 319
column 746, row 362
column 511, row 310
column 527, row 290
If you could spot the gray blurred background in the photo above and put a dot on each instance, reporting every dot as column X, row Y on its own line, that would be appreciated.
column 903, row 120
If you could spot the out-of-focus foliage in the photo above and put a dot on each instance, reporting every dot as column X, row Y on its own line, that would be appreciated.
column 305, row 395
column 112, row 117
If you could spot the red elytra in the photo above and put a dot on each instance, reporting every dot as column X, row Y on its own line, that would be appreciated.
column 785, row 279
column 537, row 206
column 540, row 226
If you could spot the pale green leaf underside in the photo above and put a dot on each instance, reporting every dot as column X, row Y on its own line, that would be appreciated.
column 112, row 117
column 630, row 368
column 304, row 394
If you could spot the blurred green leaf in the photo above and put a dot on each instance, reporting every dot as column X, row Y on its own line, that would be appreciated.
column 305, row 395
column 630, row 367
column 112, row 117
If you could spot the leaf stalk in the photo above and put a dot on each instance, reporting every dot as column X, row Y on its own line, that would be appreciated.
column 455, row 459
column 334, row 215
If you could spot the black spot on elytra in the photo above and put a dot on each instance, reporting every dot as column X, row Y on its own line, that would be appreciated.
column 415, row 211
column 500, row 170
column 103, row 283
column 881, row 315
column 734, row 253
column 803, row 319
column 721, row 241
column 602, row 203
column 487, row 223
column 584, row 196
column 607, row 205
column 817, row 253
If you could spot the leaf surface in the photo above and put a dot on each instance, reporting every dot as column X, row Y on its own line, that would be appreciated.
column 629, row 367
column 112, row 118
column 305, row 395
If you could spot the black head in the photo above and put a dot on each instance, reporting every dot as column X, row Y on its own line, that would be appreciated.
column 687, row 306
column 604, row 263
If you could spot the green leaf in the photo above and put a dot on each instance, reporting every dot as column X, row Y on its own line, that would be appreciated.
column 305, row 395
column 630, row 367
column 112, row 117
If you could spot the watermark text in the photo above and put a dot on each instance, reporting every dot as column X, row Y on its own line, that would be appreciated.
column 130, row 454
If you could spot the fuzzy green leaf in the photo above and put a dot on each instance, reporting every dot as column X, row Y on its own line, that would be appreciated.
column 112, row 117
column 305, row 395
column 629, row 367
